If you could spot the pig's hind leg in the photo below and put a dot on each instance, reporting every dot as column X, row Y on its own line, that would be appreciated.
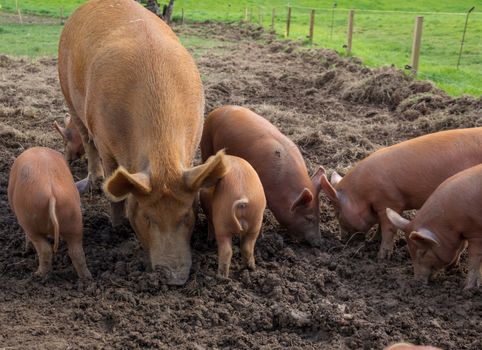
column 388, row 236
column 225, row 253
column 474, row 276
column 44, row 252
column 76, row 253
column 248, row 242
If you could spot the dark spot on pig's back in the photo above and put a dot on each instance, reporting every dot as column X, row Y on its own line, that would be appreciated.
column 25, row 173
column 278, row 165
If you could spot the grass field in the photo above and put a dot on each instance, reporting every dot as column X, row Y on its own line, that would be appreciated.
column 380, row 38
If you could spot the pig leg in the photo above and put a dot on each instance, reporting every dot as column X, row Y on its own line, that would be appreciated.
column 94, row 165
column 247, row 249
column 474, row 276
column 76, row 253
column 44, row 252
column 460, row 250
column 117, row 209
column 211, row 232
column 388, row 235
column 225, row 252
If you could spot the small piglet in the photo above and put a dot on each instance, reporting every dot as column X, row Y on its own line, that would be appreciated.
column 74, row 148
column 43, row 196
column 449, row 217
column 291, row 194
column 235, row 206
column 400, row 177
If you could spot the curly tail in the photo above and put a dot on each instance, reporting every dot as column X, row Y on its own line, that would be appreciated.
column 55, row 223
column 239, row 204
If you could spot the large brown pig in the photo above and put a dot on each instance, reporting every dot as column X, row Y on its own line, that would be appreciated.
column 291, row 194
column 74, row 148
column 401, row 177
column 43, row 196
column 235, row 206
column 136, row 97
column 449, row 217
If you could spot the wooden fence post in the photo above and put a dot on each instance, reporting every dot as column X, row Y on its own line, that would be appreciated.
column 18, row 12
column 260, row 17
column 312, row 25
column 288, row 22
column 417, row 40
column 182, row 16
column 349, row 38
column 245, row 14
column 273, row 15
column 250, row 15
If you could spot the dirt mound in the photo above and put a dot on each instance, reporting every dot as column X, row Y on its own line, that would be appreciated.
column 336, row 297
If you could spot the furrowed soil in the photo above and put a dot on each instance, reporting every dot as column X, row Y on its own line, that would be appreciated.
column 336, row 297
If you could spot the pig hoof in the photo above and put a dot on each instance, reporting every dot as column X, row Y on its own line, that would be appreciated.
column 473, row 282
column 39, row 277
column 384, row 254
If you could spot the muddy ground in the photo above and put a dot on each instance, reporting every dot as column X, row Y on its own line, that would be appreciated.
column 336, row 297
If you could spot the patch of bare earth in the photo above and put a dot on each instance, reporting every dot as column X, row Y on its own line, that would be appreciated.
column 336, row 297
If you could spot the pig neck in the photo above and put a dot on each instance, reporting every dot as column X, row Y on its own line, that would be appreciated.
column 288, row 185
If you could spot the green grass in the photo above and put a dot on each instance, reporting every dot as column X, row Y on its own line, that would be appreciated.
column 380, row 38
column 29, row 40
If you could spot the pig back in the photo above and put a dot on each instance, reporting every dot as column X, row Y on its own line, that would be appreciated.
column 126, row 75
column 275, row 158
column 410, row 171
column 37, row 175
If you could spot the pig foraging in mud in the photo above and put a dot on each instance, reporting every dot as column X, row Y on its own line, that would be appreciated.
column 74, row 148
column 235, row 206
column 450, row 218
column 291, row 194
column 43, row 197
column 400, row 177
column 136, row 97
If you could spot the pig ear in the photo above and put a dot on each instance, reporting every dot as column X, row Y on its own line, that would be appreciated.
column 207, row 174
column 122, row 183
column 60, row 129
column 316, row 179
column 67, row 119
column 424, row 238
column 397, row 220
column 303, row 199
column 335, row 178
column 327, row 187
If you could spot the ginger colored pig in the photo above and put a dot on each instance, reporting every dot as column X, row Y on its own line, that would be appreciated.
column 449, row 217
column 43, row 196
column 74, row 148
column 400, row 177
column 407, row 346
column 136, row 98
column 291, row 194
column 235, row 206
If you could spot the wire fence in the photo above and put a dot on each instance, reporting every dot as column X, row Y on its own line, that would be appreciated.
column 379, row 37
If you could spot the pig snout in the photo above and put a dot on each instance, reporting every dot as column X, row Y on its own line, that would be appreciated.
column 174, row 276
column 422, row 273
column 313, row 238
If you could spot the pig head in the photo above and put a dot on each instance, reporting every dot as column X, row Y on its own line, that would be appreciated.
column 74, row 148
column 428, row 251
column 354, row 214
column 162, row 214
